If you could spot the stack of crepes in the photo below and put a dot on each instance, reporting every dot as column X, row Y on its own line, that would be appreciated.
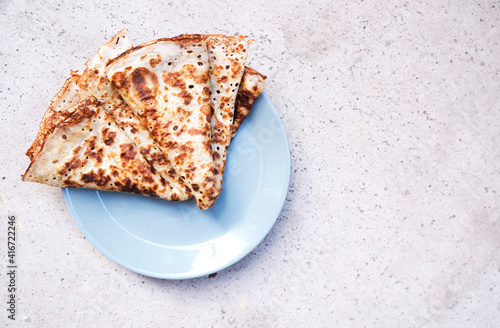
column 156, row 119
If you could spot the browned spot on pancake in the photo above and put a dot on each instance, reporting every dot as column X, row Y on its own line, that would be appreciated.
column 155, row 61
column 133, row 130
column 171, row 144
column 174, row 79
column 159, row 158
column 97, row 155
column 188, row 69
column 146, row 173
column 144, row 56
column 186, row 147
column 82, row 112
column 108, row 136
column 244, row 99
column 218, row 132
column 77, row 150
column 145, row 150
column 120, row 81
column 207, row 144
column 150, row 112
column 186, row 96
column 91, row 152
column 99, row 178
column 206, row 116
column 184, row 153
column 194, row 132
column 215, row 155
column 174, row 196
column 70, row 183
column 201, row 78
column 235, row 71
column 217, row 69
column 222, row 79
column 183, row 113
column 195, row 187
column 128, row 152
column 73, row 163
column 202, row 100
column 114, row 173
column 145, row 84
column 128, row 68
column 127, row 185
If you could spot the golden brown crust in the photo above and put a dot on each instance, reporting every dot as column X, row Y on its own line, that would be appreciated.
column 88, row 150
column 83, row 111
column 165, row 83
column 94, row 163
column 250, row 89
column 94, row 80
column 251, row 71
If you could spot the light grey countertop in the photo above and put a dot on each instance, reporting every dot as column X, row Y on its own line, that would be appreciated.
column 392, row 218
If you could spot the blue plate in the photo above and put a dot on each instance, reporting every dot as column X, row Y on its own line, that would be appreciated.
column 176, row 240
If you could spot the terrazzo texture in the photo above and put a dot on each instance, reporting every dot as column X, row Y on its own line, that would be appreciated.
column 392, row 112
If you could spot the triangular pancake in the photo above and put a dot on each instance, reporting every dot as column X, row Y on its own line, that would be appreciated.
column 94, row 80
column 227, row 56
column 165, row 82
column 88, row 150
column 251, row 86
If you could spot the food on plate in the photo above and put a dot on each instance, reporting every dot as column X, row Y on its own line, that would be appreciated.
column 69, row 95
column 227, row 56
column 251, row 86
column 95, row 81
column 155, row 119
column 89, row 150
column 165, row 82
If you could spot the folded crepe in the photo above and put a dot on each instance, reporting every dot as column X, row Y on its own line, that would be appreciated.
column 252, row 84
column 95, row 81
column 227, row 56
column 88, row 150
column 166, row 84
column 187, row 144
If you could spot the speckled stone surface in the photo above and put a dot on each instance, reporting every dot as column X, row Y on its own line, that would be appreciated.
column 392, row 110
